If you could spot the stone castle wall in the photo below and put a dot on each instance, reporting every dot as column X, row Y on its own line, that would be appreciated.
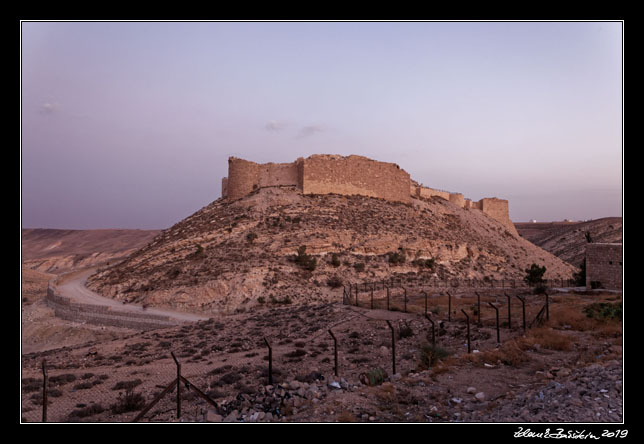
column 320, row 174
column 355, row 175
column 604, row 265
column 348, row 175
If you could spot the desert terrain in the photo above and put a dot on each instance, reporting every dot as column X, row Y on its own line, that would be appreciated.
column 240, row 266
column 567, row 240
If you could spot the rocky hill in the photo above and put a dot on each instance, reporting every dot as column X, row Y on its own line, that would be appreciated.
column 57, row 251
column 567, row 240
column 279, row 246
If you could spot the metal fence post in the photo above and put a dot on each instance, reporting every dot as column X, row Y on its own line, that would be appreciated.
column 498, row 334
column 425, row 293
column 478, row 298
column 44, row 391
column 393, row 347
column 547, row 307
column 372, row 298
column 335, row 352
column 270, row 362
column 405, row 301
column 469, row 348
column 387, row 298
column 356, row 295
column 449, row 306
column 523, row 305
column 176, row 361
column 509, row 311
column 433, row 329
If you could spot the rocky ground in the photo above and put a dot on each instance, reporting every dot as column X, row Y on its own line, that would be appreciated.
column 237, row 255
column 568, row 369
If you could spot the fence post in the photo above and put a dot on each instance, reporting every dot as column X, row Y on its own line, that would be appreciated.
column 469, row 348
column 478, row 298
column 498, row 334
column 270, row 361
column 176, row 361
column 449, row 306
column 44, row 391
column 335, row 353
column 372, row 298
column 509, row 311
column 356, row 295
column 393, row 347
column 523, row 304
column 425, row 293
column 387, row 298
column 433, row 329
column 547, row 307
column 405, row 301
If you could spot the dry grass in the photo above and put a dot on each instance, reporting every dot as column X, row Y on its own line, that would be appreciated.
column 346, row 416
column 511, row 353
column 546, row 338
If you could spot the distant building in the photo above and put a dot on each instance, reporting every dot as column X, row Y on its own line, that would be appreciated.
column 604, row 267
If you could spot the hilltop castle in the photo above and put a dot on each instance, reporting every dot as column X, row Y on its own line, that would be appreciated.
column 347, row 175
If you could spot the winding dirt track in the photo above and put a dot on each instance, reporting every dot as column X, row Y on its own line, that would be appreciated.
column 74, row 288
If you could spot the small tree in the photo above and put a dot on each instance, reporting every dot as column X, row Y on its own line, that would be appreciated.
column 580, row 277
column 534, row 275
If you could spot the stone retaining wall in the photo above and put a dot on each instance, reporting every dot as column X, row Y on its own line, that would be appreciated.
column 64, row 308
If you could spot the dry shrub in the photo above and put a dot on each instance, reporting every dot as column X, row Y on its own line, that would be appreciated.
column 570, row 316
column 546, row 338
column 385, row 393
column 346, row 416
column 511, row 353
column 609, row 330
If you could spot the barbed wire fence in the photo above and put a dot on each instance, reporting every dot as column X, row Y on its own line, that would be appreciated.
column 185, row 383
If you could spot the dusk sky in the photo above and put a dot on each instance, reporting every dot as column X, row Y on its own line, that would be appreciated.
column 130, row 124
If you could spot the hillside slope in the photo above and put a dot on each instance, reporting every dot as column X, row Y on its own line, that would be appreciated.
column 56, row 251
column 241, row 253
column 567, row 240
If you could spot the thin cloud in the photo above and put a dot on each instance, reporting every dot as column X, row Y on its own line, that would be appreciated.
column 274, row 125
column 49, row 107
column 310, row 130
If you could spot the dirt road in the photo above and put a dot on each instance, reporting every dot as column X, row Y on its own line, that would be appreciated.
column 74, row 288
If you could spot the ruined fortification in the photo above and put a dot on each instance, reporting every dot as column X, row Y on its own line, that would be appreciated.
column 347, row 175
column 604, row 266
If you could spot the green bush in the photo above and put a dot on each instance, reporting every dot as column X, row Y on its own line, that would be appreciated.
column 534, row 275
column 304, row 260
column 604, row 311
column 334, row 282
column 359, row 267
column 375, row 376
column 396, row 258
column 250, row 237
column 424, row 263
column 130, row 402
column 335, row 261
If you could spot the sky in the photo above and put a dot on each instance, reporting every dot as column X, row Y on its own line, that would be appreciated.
column 130, row 124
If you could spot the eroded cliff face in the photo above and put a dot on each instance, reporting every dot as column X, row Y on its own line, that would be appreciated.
column 233, row 254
